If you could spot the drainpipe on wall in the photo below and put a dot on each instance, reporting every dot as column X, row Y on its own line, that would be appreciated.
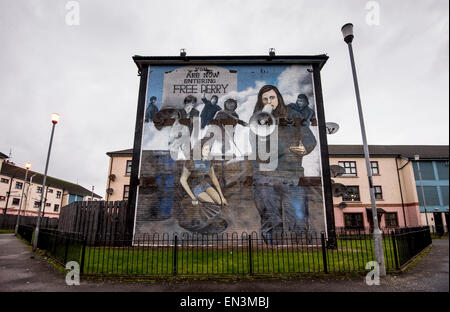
column 8, row 194
column 61, row 203
column 109, row 178
column 400, row 184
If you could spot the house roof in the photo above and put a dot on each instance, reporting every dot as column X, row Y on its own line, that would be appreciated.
column 424, row 151
column 3, row 156
column 125, row 152
column 408, row 151
column 19, row 173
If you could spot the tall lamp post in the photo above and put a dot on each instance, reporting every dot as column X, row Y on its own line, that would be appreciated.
column 27, row 166
column 417, row 158
column 55, row 119
column 347, row 31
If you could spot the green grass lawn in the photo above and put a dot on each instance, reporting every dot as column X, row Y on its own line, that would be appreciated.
column 349, row 256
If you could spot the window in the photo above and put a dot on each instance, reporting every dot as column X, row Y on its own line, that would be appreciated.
column 431, row 195
column 19, row 185
column 352, row 194
column 37, row 204
column 48, row 204
column 39, row 189
column 128, row 170
column 391, row 219
column 442, row 169
column 58, row 194
column 3, row 180
column 49, row 190
column 444, row 193
column 378, row 192
column 353, row 220
column 16, row 201
column 56, row 208
column 350, row 168
column 426, row 169
column 374, row 167
column 126, row 192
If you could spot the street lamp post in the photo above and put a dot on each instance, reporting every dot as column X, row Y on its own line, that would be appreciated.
column 27, row 166
column 347, row 31
column 55, row 119
column 417, row 158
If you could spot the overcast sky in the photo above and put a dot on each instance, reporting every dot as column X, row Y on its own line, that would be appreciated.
column 85, row 72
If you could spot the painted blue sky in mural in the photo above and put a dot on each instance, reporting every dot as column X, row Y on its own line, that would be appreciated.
column 247, row 76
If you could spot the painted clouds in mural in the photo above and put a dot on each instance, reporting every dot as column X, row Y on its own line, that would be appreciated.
column 230, row 149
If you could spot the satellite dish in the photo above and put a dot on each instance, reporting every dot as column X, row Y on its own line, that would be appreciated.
column 262, row 124
column 332, row 127
column 342, row 205
column 336, row 171
column 338, row 189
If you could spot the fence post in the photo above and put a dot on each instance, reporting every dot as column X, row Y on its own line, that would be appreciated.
column 394, row 246
column 83, row 253
column 175, row 255
column 67, row 248
column 324, row 252
column 250, row 258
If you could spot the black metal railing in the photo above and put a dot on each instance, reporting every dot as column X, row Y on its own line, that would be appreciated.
column 410, row 242
column 62, row 247
column 26, row 232
column 230, row 254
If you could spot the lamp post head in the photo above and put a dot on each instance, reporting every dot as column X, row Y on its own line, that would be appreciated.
column 347, row 32
column 28, row 166
column 416, row 157
column 55, row 118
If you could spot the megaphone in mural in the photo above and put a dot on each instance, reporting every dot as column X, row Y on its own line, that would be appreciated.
column 263, row 123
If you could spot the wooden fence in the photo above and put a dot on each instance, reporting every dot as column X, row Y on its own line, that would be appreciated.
column 8, row 222
column 94, row 220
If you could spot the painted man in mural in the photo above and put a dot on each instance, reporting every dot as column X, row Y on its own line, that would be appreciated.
column 301, row 109
column 151, row 110
column 210, row 110
column 189, row 110
column 282, row 204
column 228, row 117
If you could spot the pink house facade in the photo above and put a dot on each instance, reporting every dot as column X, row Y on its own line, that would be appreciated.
column 394, row 181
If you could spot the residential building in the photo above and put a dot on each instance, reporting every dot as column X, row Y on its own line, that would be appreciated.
column 118, row 182
column 395, row 177
column 396, row 185
column 57, row 194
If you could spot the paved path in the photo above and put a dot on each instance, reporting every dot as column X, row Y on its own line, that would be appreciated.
column 19, row 272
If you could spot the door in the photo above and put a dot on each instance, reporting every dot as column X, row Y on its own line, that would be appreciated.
column 446, row 221
column 438, row 223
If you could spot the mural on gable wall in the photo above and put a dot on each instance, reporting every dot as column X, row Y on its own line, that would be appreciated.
column 230, row 149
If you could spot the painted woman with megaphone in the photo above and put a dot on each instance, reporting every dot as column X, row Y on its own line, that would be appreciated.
column 281, row 202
